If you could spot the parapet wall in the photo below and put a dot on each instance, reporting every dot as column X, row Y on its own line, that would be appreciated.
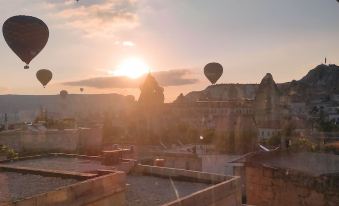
column 225, row 192
column 181, row 160
column 278, row 187
column 99, row 191
column 68, row 141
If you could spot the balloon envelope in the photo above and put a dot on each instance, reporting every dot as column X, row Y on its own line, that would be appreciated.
column 63, row 93
column 81, row 89
column 213, row 71
column 26, row 36
column 44, row 76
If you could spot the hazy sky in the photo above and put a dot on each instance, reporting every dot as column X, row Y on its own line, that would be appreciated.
column 89, row 39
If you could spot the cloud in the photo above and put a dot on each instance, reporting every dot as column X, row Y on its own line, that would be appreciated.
column 106, row 82
column 174, row 77
column 128, row 44
column 125, row 43
column 4, row 89
column 165, row 78
column 99, row 17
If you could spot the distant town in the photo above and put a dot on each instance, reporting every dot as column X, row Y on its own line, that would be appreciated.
column 270, row 138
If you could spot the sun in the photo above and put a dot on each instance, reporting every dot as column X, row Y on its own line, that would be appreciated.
column 132, row 68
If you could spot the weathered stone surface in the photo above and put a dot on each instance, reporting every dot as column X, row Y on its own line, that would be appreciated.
column 268, row 186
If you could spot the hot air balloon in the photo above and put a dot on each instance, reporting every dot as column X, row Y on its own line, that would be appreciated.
column 63, row 93
column 26, row 36
column 44, row 76
column 81, row 89
column 213, row 71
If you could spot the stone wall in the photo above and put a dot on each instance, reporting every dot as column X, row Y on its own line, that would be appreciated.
column 278, row 187
column 68, row 141
column 182, row 161
column 90, row 141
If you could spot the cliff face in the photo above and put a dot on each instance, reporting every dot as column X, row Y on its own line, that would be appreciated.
column 223, row 92
column 267, row 85
column 323, row 79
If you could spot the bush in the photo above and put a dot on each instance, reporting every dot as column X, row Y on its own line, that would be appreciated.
column 8, row 152
column 303, row 144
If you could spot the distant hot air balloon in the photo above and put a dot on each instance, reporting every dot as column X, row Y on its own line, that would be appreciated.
column 44, row 76
column 63, row 93
column 81, row 89
column 26, row 36
column 213, row 71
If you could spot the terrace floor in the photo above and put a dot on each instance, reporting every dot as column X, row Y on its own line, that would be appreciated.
column 155, row 191
column 15, row 186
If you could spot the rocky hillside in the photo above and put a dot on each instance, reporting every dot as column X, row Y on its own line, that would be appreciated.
column 223, row 92
column 322, row 80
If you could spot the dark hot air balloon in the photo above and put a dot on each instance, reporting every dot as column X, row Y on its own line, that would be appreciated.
column 81, row 89
column 44, row 76
column 213, row 71
column 63, row 93
column 26, row 36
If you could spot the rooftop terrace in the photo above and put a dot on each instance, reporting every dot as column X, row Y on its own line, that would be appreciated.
column 15, row 186
column 143, row 185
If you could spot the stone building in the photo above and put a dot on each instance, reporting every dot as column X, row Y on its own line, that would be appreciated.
column 282, row 178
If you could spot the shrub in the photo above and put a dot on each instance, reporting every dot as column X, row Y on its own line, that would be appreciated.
column 8, row 152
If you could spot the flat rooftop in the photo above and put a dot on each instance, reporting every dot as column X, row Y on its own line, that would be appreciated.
column 72, row 164
column 307, row 162
column 154, row 191
column 15, row 186
column 145, row 185
column 141, row 189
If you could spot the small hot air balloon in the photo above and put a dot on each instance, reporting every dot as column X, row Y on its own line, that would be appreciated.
column 44, row 76
column 63, row 93
column 213, row 71
column 26, row 36
column 81, row 89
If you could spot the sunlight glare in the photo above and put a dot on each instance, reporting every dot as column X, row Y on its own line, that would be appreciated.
column 131, row 67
